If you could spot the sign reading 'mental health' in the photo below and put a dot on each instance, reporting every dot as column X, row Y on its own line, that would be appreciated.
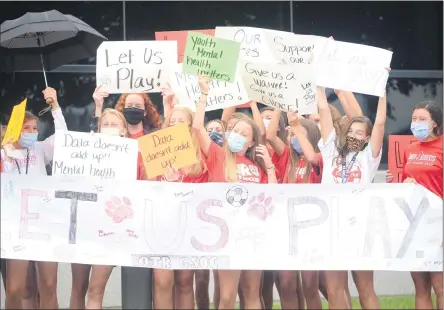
column 211, row 56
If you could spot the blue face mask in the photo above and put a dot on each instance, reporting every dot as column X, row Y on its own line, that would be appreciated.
column 295, row 144
column 218, row 138
column 236, row 142
column 27, row 140
column 420, row 130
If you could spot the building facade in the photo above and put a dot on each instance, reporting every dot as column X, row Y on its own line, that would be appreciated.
column 412, row 30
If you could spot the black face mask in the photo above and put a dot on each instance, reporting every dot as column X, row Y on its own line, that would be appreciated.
column 133, row 115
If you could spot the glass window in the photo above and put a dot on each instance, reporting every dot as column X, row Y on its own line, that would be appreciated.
column 145, row 18
column 402, row 95
column 103, row 16
column 412, row 30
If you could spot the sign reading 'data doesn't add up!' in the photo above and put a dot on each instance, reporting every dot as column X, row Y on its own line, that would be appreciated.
column 169, row 147
column 211, row 56
column 135, row 66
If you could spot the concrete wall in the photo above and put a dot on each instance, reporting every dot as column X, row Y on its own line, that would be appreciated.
column 386, row 283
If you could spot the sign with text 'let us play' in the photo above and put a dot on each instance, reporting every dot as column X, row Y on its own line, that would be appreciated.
column 396, row 227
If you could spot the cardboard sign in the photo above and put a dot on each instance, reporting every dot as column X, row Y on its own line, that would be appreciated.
column 181, row 38
column 135, row 66
column 169, row 147
column 212, row 56
column 396, row 147
column 15, row 122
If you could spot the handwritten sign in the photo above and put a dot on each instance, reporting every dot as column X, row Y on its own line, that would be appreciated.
column 287, row 88
column 352, row 67
column 395, row 227
column 220, row 95
column 208, row 55
column 94, row 155
column 396, row 147
column 181, row 38
column 15, row 122
column 169, row 147
column 135, row 66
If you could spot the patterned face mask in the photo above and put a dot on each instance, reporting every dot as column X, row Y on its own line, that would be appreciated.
column 218, row 138
column 354, row 144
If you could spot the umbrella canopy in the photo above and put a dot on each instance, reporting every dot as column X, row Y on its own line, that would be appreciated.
column 60, row 39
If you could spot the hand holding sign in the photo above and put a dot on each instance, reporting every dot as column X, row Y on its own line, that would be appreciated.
column 15, row 123
column 99, row 96
column 204, row 83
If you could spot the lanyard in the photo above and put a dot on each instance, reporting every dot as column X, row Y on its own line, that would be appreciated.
column 345, row 169
column 27, row 163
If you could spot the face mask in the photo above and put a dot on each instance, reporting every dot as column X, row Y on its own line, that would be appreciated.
column 236, row 142
column 27, row 140
column 295, row 145
column 110, row 131
column 266, row 123
column 133, row 115
column 217, row 137
column 355, row 145
column 420, row 130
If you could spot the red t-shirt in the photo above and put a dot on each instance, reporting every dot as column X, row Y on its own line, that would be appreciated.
column 247, row 171
column 283, row 165
column 140, row 166
column 202, row 178
column 423, row 162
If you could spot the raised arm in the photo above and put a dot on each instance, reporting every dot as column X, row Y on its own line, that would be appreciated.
column 349, row 103
column 257, row 117
column 307, row 148
column 199, row 117
column 379, row 126
column 324, row 114
column 168, row 101
column 226, row 114
column 98, row 96
column 272, row 137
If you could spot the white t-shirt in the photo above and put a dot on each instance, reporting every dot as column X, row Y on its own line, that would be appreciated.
column 40, row 154
column 363, row 170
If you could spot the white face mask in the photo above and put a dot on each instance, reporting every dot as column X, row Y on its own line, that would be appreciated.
column 110, row 131
column 266, row 123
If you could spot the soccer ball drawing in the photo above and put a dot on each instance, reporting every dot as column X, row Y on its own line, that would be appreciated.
column 237, row 196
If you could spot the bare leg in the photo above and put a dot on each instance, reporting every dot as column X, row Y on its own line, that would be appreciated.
column 241, row 296
column 80, row 281
column 184, row 291
column 30, row 300
column 286, row 282
column 267, row 289
column 300, row 291
column 163, row 288
column 202, row 285
column 17, row 272
column 310, row 285
column 437, row 279
column 216, row 296
column 97, row 284
column 228, row 288
column 251, row 288
column 423, row 286
column 367, row 295
column 335, row 281
column 47, row 284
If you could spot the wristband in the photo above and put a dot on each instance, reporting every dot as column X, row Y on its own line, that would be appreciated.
column 270, row 168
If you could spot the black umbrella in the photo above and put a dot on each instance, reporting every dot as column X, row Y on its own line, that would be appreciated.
column 46, row 40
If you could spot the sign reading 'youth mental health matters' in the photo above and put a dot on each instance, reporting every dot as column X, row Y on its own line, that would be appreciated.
column 211, row 56
column 170, row 225
column 166, row 148
column 135, row 66
column 94, row 155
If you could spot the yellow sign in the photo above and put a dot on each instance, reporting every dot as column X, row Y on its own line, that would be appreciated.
column 15, row 122
column 169, row 147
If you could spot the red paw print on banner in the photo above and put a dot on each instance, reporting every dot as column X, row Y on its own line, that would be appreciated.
column 119, row 210
column 260, row 207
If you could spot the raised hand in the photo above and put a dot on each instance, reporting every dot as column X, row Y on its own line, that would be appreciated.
column 263, row 153
column 99, row 97
column 204, row 83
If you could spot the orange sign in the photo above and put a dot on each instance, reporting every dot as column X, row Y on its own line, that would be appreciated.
column 396, row 147
column 181, row 38
column 169, row 147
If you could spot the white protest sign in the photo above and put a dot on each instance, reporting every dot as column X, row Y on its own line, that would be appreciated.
column 220, row 95
column 287, row 88
column 221, row 225
column 94, row 155
column 135, row 66
column 352, row 67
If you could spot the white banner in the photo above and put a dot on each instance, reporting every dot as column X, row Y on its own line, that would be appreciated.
column 135, row 66
column 94, row 155
column 220, row 95
column 352, row 67
column 287, row 88
column 221, row 225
